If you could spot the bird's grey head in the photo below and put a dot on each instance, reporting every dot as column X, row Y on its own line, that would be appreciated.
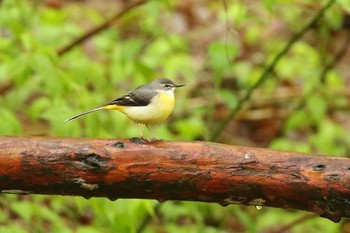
column 166, row 84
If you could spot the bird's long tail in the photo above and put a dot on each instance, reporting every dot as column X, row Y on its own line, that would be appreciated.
column 84, row 113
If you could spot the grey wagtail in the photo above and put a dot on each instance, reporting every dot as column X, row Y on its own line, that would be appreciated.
column 148, row 104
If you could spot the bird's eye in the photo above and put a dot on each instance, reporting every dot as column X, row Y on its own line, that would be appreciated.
column 166, row 85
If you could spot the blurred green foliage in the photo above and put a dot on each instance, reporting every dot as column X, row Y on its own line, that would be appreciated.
column 218, row 49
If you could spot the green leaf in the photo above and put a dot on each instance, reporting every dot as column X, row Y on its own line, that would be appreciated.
column 23, row 209
column 297, row 120
column 87, row 229
column 39, row 106
column 330, row 139
column 229, row 98
column 13, row 229
column 191, row 128
column 288, row 145
column 269, row 4
column 317, row 107
column 10, row 124
column 220, row 56
column 345, row 4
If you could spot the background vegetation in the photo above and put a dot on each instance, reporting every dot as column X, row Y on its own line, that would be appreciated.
column 269, row 73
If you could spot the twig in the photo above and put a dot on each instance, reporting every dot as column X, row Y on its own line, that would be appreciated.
column 288, row 226
column 267, row 71
column 336, row 59
column 99, row 28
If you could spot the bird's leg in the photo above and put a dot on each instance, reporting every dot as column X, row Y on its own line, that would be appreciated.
column 153, row 137
column 138, row 128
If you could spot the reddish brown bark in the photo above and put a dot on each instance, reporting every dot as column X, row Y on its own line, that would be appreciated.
column 163, row 170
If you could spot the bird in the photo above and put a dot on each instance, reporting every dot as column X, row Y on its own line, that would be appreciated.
column 148, row 104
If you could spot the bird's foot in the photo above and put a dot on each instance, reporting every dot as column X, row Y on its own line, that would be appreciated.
column 138, row 140
column 143, row 140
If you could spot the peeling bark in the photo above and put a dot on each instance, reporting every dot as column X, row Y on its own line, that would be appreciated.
column 164, row 170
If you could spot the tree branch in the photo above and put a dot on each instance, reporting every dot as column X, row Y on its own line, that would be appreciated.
column 99, row 28
column 162, row 170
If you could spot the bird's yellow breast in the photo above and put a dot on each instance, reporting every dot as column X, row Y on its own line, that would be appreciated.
column 155, row 112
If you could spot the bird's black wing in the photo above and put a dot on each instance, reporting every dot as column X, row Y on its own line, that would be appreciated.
column 138, row 97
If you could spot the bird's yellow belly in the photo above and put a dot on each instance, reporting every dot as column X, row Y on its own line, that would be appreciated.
column 155, row 112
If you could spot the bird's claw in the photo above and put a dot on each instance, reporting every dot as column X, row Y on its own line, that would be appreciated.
column 143, row 140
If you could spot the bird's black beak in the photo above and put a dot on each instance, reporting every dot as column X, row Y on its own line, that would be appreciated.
column 179, row 85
